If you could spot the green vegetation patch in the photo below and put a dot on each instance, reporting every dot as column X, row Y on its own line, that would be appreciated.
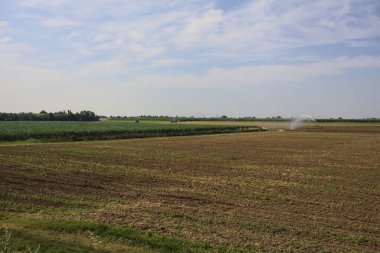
column 27, row 232
column 68, row 131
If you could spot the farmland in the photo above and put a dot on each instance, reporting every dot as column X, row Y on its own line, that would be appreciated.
column 63, row 131
column 312, row 190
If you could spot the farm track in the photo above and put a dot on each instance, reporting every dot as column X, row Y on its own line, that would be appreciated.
column 313, row 190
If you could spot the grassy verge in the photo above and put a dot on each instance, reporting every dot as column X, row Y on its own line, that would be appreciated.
column 49, row 235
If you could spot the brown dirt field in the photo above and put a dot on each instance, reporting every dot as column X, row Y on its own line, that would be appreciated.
column 325, row 126
column 310, row 190
column 267, row 124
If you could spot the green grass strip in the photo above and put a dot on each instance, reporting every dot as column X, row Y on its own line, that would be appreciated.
column 108, row 233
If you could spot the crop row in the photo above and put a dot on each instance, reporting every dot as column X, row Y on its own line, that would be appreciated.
column 23, row 130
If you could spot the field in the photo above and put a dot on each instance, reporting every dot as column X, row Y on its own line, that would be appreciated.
column 272, row 125
column 65, row 130
column 313, row 190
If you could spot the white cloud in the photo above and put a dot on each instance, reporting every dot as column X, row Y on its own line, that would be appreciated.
column 58, row 22
column 198, row 29
column 102, row 70
column 3, row 23
column 169, row 62
column 5, row 40
column 258, row 29
column 146, row 51
column 32, row 3
column 260, row 75
column 82, row 49
column 16, row 74
column 271, row 26
column 12, row 49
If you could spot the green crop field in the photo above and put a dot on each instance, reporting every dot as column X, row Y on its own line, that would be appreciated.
column 64, row 130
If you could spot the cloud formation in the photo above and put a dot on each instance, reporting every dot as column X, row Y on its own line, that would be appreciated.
column 164, row 44
column 257, row 28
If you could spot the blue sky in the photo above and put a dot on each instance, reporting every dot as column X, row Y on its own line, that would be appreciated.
column 203, row 58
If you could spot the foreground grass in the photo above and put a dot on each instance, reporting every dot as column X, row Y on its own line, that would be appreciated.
column 260, row 192
column 48, row 235
column 69, row 131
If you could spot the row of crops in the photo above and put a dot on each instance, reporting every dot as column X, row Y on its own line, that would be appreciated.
column 63, row 130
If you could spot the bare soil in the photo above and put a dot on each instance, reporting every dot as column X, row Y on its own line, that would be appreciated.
column 292, row 191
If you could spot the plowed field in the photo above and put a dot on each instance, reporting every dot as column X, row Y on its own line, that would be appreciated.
column 315, row 191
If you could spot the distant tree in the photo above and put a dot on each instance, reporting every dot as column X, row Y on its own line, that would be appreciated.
column 70, row 115
column 51, row 116
column 56, row 116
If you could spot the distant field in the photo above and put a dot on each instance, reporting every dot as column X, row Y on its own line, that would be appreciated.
column 65, row 130
column 270, row 125
column 326, row 126
column 274, row 191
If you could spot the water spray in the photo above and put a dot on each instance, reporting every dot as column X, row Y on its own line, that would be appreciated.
column 298, row 121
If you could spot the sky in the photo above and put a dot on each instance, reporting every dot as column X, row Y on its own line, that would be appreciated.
column 259, row 58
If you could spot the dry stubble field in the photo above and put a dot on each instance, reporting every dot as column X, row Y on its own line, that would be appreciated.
column 316, row 190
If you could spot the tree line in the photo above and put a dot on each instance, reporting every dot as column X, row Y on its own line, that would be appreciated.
column 50, row 116
column 227, row 118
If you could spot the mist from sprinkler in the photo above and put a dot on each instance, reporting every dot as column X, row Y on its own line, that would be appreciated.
column 299, row 121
